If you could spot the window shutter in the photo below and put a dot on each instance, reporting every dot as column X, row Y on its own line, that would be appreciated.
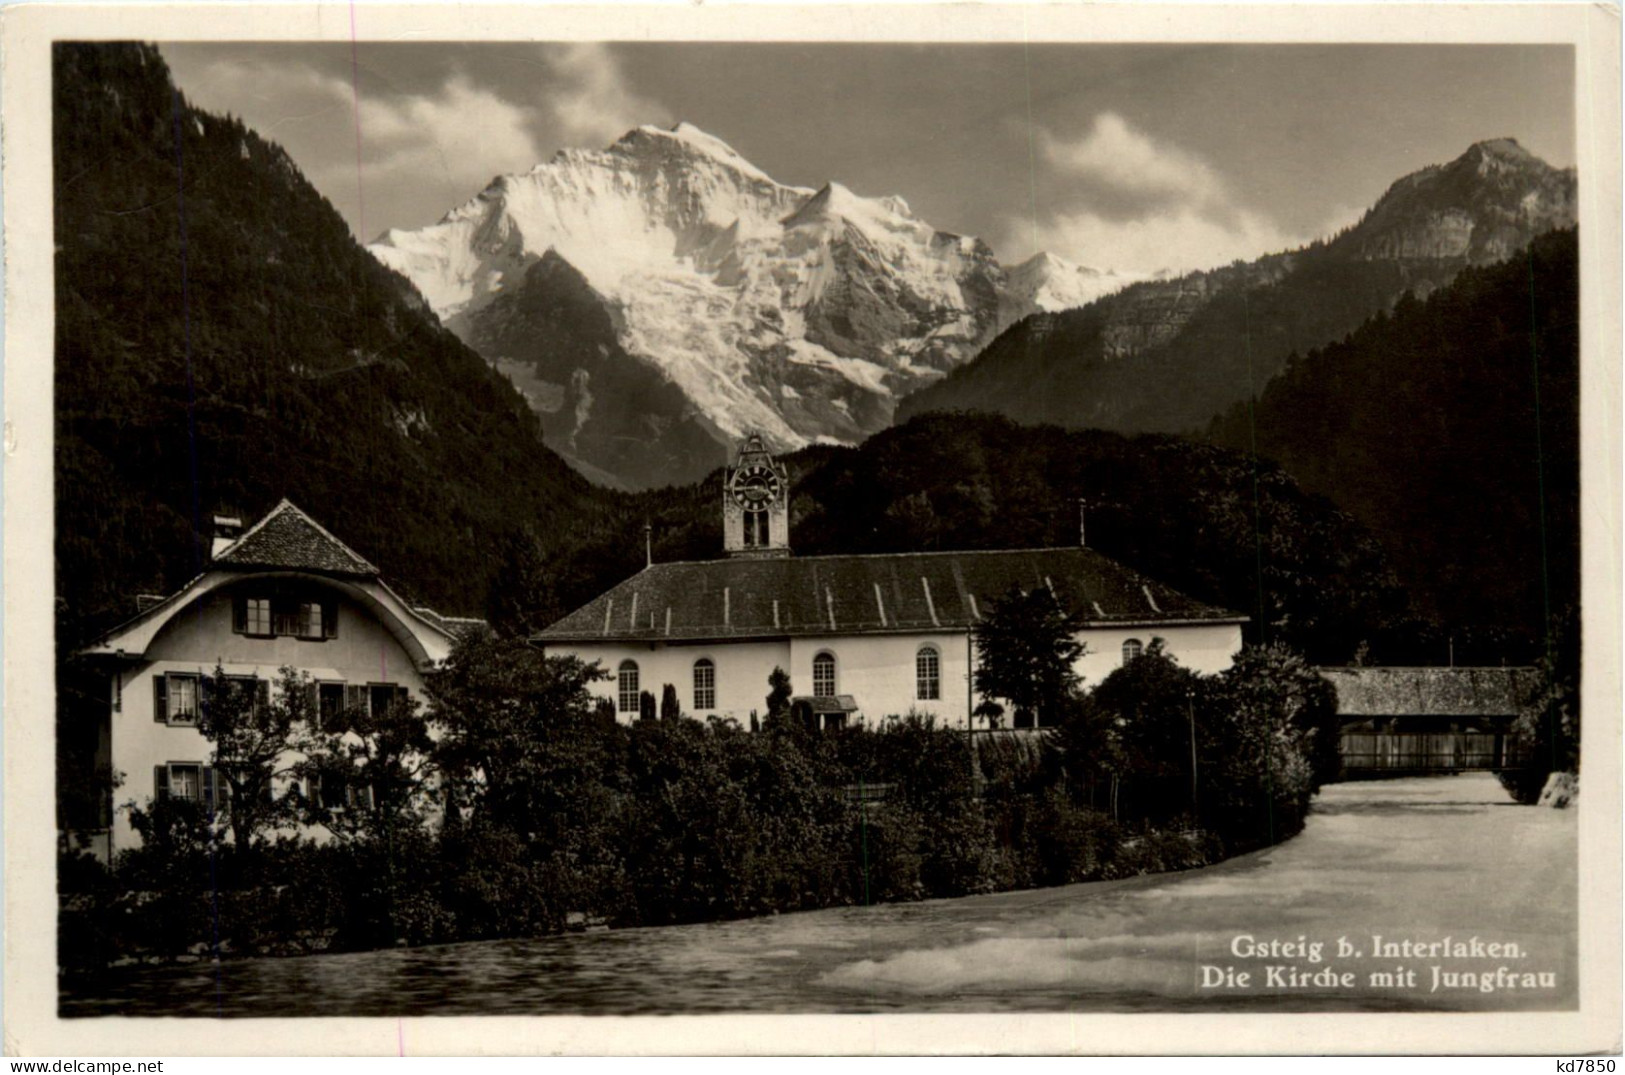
column 239, row 614
column 160, row 783
column 330, row 620
column 207, row 780
column 355, row 696
column 262, row 695
column 160, row 699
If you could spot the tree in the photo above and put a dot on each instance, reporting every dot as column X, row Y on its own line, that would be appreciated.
column 670, row 709
column 778, row 692
column 386, row 753
column 1546, row 732
column 646, row 706
column 1026, row 650
column 1270, row 717
column 1146, row 710
column 519, row 732
column 1275, row 680
column 255, row 732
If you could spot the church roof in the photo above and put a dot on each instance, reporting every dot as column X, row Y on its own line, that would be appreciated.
column 288, row 538
column 1430, row 692
column 877, row 594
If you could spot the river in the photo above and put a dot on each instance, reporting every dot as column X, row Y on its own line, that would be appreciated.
column 1414, row 862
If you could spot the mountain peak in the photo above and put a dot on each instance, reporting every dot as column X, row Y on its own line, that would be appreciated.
column 1506, row 149
column 836, row 202
column 685, row 136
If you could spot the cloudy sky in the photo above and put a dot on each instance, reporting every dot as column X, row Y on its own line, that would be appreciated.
column 1121, row 156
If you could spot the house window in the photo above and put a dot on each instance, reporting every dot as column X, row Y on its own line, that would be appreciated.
column 705, row 684
column 285, row 617
column 626, row 682
column 177, row 698
column 381, row 696
column 266, row 617
column 330, row 706
column 824, row 675
column 927, row 674
column 331, row 791
column 253, row 616
column 186, row 782
column 189, row 781
column 1132, row 650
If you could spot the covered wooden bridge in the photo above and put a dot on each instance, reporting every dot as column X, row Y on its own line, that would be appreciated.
column 1427, row 720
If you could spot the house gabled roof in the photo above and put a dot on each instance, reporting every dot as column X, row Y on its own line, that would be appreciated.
column 288, row 538
column 876, row 594
column 460, row 626
column 289, row 543
column 1430, row 692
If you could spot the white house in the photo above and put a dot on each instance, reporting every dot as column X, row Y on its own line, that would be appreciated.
column 860, row 636
column 285, row 593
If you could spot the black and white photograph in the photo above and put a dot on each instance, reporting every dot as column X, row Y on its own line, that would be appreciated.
column 683, row 520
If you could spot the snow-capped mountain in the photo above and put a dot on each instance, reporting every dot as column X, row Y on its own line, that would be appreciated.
column 1045, row 282
column 803, row 314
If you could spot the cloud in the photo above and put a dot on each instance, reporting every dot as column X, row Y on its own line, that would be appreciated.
column 1179, row 241
column 1117, row 198
column 1124, row 165
column 594, row 104
column 464, row 134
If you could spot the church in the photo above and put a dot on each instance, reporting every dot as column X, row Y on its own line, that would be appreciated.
column 862, row 637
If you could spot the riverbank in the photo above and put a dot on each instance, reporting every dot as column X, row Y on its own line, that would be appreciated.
column 1423, row 859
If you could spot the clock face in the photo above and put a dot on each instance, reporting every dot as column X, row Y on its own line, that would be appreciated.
column 754, row 486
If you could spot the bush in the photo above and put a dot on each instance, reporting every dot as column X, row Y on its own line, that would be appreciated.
column 885, row 849
column 559, row 818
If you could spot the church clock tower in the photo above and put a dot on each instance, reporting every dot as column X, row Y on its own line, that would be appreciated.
column 756, row 503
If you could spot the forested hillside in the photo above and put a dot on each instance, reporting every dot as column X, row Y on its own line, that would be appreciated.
column 222, row 342
column 1451, row 430
column 1195, row 516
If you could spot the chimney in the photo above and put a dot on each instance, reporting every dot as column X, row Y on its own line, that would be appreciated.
column 1083, row 537
column 227, row 528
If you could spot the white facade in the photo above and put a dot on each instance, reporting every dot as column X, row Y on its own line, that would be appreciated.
column 880, row 671
column 341, row 628
column 194, row 641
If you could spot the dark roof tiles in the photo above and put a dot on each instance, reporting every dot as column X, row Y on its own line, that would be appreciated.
column 288, row 538
column 1428, row 692
column 876, row 594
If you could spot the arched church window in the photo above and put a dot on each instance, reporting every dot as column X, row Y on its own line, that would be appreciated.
column 626, row 684
column 927, row 674
column 1132, row 650
column 756, row 529
column 705, row 684
column 824, row 675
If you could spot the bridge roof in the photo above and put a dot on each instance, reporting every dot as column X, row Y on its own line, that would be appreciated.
column 1430, row 692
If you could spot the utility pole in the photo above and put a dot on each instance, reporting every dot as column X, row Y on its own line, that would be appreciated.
column 1190, row 710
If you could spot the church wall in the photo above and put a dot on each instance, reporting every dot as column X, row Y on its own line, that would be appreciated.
column 1205, row 648
column 740, row 672
column 879, row 672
